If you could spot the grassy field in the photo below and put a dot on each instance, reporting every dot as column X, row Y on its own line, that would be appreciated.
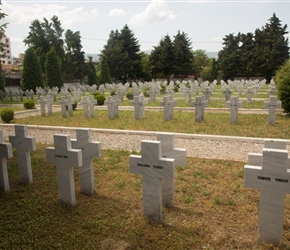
column 212, row 209
column 250, row 125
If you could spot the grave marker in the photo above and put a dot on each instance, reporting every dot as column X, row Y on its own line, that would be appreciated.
column 63, row 103
column 272, row 178
column 49, row 102
column 234, row 106
column 64, row 157
column 93, row 102
column 199, row 105
column 272, row 105
column 42, row 102
column 168, row 105
column 24, row 144
column 116, row 106
column 89, row 150
column 138, row 104
column 179, row 156
column 85, row 102
column 111, row 109
column 5, row 152
column 227, row 92
column 153, row 168
column 249, row 93
column 70, row 102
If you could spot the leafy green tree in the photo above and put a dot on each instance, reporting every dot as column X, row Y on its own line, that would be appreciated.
column 146, row 67
column 2, row 32
column 183, row 64
column 200, row 62
column 272, row 47
column 74, row 62
column 162, row 57
column 282, row 80
column 53, row 70
column 44, row 35
column 247, row 55
column 210, row 73
column 229, row 57
column 32, row 74
column 105, row 73
column 92, row 74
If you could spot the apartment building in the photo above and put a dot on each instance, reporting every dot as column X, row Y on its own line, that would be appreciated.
column 6, row 54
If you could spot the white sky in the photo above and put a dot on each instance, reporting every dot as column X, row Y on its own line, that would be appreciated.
column 205, row 22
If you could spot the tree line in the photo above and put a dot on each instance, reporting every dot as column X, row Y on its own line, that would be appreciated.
column 60, row 55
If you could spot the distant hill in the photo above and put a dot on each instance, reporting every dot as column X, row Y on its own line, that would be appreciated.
column 96, row 57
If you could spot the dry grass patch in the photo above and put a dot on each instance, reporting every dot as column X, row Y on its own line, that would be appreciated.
column 212, row 209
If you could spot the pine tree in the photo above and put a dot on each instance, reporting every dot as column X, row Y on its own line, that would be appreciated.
column 92, row 74
column 2, row 81
column 53, row 70
column 183, row 64
column 32, row 74
column 105, row 73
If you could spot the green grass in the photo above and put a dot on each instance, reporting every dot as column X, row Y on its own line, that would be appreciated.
column 212, row 210
column 249, row 125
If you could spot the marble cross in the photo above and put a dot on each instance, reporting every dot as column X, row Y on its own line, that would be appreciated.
column 179, row 155
column 111, row 107
column 153, row 169
column 42, row 102
column 64, row 157
column 24, row 144
column 5, row 152
column 92, row 104
column 199, row 105
column 85, row 102
column 116, row 106
column 234, row 106
column 272, row 105
column 63, row 103
column 49, row 102
column 70, row 102
column 138, row 104
column 167, row 108
column 89, row 150
column 269, row 172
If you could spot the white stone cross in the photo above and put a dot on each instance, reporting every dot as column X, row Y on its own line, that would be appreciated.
column 5, row 152
column 207, row 93
column 70, row 102
column 249, row 93
column 116, row 105
column 49, row 102
column 167, row 104
column 64, row 157
column 179, row 155
column 85, row 102
column 89, row 150
column 42, row 102
column 138, row 104
column 199, row 105
column 111, row 107
column 227, row 92
column 272, row 105
column 24, row 144
column 93, row 102
column 271, row 175
column 234, row 106
column 63, row 103
column 153, row 169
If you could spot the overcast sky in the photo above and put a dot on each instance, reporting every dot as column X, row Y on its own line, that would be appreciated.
column 205, row 22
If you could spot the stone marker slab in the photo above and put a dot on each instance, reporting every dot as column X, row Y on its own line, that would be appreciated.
column 153, row 169
column 89, row 150
column 64, row 157
column 24, row 144
column 199, row 105
column 111, row 107
column 271, row 176
column 5, row 152
column 179, row 155
column 234, row 106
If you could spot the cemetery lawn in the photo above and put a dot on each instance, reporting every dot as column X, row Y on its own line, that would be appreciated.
column 212, row 209
column 249, row 125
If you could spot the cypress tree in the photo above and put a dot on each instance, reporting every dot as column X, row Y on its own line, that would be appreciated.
column 53, row 70
column 105, row 72
column 32, row 75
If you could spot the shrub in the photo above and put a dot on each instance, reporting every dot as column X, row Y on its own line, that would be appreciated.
column 282, row 80
column 129, row 95
column 113, row 92
column 146, row 92
column 162, row 90
column 74, row 105
column 176, row 88
column 100, row 99
column 29, row 104
column 7, row 115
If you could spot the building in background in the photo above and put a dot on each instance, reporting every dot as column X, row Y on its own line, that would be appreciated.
column 6, row 54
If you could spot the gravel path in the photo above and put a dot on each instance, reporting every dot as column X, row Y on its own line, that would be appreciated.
column 202, row 146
